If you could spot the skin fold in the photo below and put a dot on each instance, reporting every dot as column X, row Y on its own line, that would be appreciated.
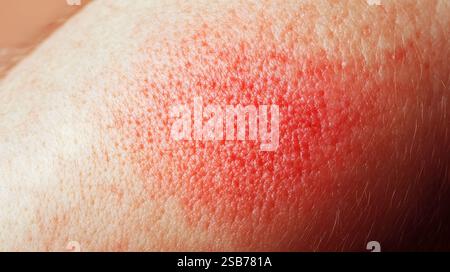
column 86, row 153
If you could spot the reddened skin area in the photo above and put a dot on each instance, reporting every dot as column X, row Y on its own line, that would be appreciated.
column 362, row 93
column 339, row 170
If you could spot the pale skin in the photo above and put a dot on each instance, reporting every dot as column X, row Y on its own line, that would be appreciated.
column 74, row 168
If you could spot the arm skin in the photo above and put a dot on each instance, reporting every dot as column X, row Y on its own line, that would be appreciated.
column 364, row 143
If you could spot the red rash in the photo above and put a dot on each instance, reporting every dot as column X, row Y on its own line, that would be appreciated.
column 328, row 110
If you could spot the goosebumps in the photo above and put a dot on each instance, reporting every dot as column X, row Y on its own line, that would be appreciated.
column 234, row 117
column 234, row 183
column 330, row 107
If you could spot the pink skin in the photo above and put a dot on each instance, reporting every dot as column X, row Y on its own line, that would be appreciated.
column 330, row 108
column 363, row 148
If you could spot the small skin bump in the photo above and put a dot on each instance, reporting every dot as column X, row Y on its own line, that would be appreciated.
column 367, row 31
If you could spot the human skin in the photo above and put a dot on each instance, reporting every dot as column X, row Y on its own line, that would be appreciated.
column 364, row 143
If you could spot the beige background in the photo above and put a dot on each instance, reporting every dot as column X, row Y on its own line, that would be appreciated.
column 24, row 23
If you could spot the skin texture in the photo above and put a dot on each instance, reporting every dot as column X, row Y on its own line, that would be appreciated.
column 363, row 152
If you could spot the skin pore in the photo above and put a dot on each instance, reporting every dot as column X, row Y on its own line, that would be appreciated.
column 363, row 151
